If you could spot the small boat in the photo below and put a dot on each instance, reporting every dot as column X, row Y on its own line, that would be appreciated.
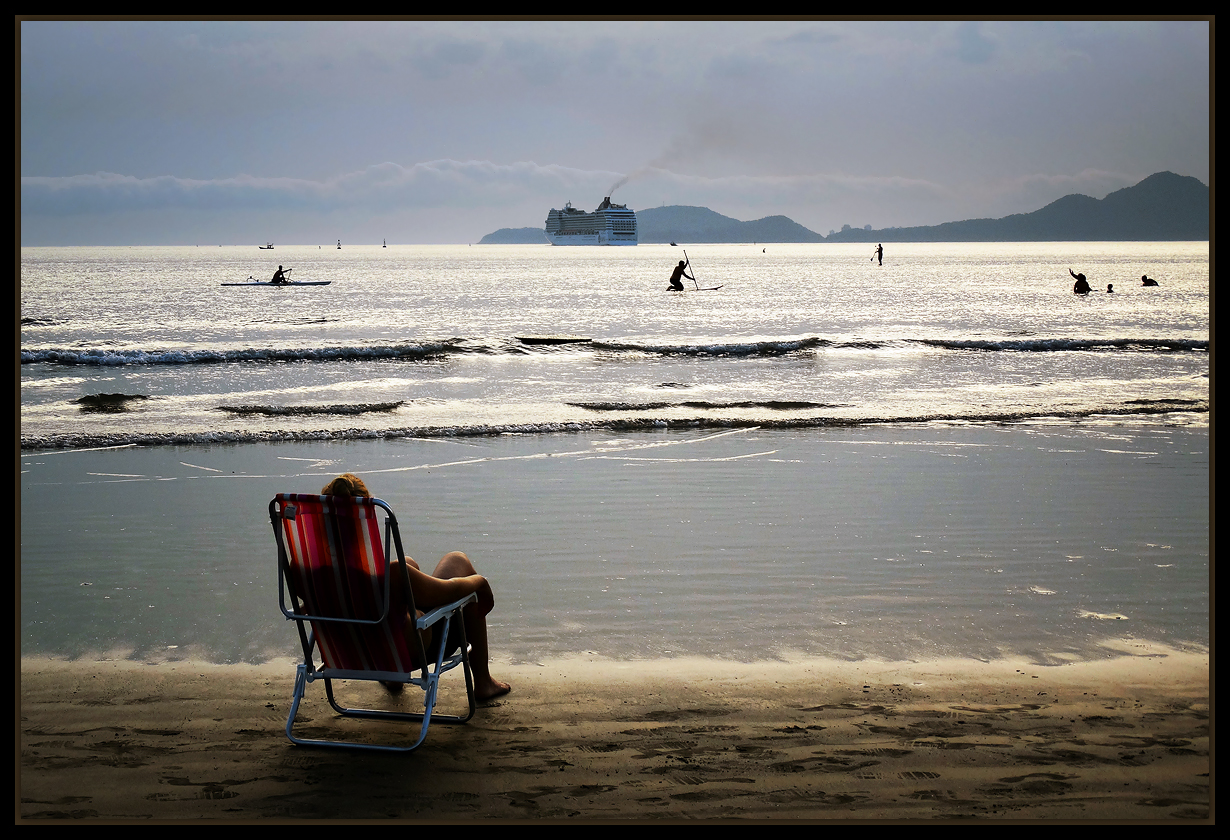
column 268, row 247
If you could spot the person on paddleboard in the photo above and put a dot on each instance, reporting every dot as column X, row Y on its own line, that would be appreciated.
column 279, row 277
column 877, row 253
column 676, row 281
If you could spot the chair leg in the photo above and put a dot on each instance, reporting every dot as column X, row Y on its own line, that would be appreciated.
column 301, row 681
column 431, row 695
column 300, row 688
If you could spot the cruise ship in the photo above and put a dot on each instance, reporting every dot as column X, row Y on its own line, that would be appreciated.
column 610, row 224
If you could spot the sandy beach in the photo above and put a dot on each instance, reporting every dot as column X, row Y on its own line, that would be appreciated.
column 1125, row 737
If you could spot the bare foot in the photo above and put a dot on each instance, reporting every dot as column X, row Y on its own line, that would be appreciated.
column 491, row 689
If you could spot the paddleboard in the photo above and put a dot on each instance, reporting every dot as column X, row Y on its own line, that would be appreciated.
column 707, row 289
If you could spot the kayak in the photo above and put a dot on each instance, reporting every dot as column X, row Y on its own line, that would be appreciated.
column 287, row 283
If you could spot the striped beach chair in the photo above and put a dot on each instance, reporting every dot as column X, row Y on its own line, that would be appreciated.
column 335, row 583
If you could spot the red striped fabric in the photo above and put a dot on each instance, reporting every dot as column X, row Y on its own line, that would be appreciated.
column 337, row 569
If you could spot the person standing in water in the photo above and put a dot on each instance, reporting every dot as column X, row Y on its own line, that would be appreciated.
column 676, row 281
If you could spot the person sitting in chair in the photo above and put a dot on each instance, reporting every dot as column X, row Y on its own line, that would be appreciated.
column 453, row 578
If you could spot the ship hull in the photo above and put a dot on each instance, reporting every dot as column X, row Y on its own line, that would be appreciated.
column 588, row 239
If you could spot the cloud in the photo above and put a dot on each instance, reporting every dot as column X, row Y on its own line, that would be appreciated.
column 451, row 200
column 972, row 46
column 436, row 183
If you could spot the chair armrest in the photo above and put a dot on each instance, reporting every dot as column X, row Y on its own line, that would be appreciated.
column 440, row 612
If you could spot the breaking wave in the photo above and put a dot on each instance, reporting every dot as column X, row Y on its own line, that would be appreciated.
column 717, row 349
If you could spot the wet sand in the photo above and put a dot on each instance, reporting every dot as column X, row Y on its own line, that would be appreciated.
column 1120, row 738
column 895, row 542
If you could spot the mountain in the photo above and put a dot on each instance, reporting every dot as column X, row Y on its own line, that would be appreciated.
column 700, row 224
column 516, row 236
column 1164, row 206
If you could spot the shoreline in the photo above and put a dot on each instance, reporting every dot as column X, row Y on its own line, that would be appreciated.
column 591, row 739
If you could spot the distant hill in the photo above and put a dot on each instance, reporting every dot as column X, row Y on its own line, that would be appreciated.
column 700, row 224
column 1164, row 206
column 516, row 236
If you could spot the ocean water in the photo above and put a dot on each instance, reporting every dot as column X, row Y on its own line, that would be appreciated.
column 424, row 340
column 948, row 455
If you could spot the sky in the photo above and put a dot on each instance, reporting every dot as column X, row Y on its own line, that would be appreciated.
column 420, row 132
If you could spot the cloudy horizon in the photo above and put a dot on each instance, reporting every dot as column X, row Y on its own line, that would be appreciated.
column 441, row 132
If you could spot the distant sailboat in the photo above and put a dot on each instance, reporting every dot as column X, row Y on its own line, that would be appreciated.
column 339, row 244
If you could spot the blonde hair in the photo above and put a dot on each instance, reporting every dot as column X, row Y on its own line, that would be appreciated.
column 347, row 484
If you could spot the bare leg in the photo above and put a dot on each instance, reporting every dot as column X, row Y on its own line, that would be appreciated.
column 457, row 565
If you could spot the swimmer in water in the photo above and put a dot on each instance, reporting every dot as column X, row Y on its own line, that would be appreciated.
column 1081, row 286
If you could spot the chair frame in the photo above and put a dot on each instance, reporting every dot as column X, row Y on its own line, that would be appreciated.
column 282, row 513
